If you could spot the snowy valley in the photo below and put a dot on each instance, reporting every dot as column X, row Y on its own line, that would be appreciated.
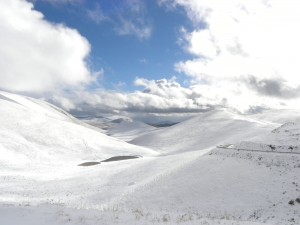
column 218, row 167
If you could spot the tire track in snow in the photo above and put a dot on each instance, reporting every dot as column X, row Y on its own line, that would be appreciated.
column 257, row 150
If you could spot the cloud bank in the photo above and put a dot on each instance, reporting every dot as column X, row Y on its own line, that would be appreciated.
column 169, row 97
column 237, row 38
column 37, row 56
column 156, row 96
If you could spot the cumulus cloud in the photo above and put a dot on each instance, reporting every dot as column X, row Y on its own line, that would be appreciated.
column 37, row 56
column 255, row 37
column 157, row 96
column 244, row 37
column 234, row 39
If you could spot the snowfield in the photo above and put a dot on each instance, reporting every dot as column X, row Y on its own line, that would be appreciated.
column 181, row 176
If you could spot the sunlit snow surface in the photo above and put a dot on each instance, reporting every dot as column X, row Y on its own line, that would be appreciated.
column 180, row 178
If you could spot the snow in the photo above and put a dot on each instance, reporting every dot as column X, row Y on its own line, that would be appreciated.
column 278, row 116
column 181, row 178
column 208, row 129
column 128, row 130
column 33, row 130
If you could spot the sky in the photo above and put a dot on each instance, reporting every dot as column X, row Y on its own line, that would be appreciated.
column 129, row 38
column 152, row 57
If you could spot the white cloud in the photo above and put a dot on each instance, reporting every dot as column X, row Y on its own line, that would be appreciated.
column 162, row 97
column 168, row 100
column 63, row 102
column 243, row 53
column 234, row 39
column 157, row 96
column 37, row 56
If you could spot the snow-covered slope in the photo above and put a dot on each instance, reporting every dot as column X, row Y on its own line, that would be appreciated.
column 227, row 184
column 284, row 139
column 104, row 122
column 41, row 184
column 129, row 129
column 33, row 131
column 203, row 131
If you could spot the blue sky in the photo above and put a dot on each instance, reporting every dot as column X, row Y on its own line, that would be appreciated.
column 235, row 54
column 123, row 57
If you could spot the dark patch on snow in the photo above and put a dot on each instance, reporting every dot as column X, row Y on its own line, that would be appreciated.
column 111, row 159
column 291, row 202
column 166, row 124
column 272, row 147
column 118, row 158
column 89, row 164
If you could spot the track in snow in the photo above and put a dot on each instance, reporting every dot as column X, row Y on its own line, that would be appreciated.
column 256, row 150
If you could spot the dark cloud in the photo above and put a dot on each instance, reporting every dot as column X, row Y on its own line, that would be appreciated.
column 272, row 87
column 158, row 96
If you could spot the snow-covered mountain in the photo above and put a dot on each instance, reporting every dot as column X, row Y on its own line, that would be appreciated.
column 208, row 129
column 34, row 131
column 129, row 129
column 121, row 127
column 104, row 122
column 181, row 178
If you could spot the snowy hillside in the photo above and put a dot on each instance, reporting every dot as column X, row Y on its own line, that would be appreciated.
column 284, row 139
column 33, row 131
column 104, row 122
column 128, row 130
column 121, row 127
column 208, row 129
column 191, row 182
